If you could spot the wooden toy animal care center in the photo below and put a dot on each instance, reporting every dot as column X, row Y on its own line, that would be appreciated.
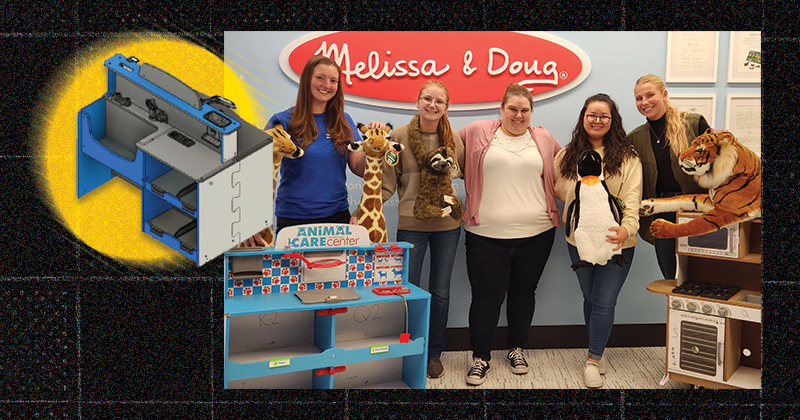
column 323, row 309
column 201, row 168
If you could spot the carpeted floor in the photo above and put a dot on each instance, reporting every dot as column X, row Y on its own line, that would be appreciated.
column 629, row 368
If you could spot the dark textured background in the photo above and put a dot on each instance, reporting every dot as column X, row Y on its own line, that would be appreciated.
column 86, row 337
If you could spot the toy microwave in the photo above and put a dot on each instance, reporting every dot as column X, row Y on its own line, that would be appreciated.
column 731, row 241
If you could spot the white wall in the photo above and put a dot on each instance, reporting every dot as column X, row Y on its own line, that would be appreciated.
column 618, row 59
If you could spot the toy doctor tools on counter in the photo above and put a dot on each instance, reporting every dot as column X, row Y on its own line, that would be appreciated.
column 326, row 308
column 599, row 136
column 199, row 165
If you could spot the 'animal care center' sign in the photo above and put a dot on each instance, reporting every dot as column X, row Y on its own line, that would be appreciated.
column 322, row 235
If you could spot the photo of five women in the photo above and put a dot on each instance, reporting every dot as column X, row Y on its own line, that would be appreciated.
column 509, row 226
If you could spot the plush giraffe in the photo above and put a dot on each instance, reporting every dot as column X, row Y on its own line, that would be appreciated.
column 375, row 145
column 282, row 146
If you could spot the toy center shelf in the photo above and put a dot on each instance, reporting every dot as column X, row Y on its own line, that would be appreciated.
column 729, row 325
column 273, row 340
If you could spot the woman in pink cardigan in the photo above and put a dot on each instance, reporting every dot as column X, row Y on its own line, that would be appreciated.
column 510, row 218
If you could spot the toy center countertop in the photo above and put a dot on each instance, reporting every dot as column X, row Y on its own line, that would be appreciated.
column 287, row 301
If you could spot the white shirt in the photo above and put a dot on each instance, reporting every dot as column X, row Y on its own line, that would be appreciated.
column 513, row 203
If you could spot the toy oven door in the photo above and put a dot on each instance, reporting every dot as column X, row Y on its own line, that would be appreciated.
column 696, row 344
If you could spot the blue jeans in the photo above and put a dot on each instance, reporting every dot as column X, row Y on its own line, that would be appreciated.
column 443, row 253
column 665, row 251
column 504, row 269
column 600, row 285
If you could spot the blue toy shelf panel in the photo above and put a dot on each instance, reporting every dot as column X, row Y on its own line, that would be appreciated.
column 273, row 340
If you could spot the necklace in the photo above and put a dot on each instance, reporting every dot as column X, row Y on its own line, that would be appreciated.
column 658, row 138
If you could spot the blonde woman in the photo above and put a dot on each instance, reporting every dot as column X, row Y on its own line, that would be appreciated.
column 659, row 141
column 427, row 131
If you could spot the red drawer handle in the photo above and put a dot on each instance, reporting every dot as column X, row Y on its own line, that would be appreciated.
column 330, row 371
column 391, row 290
column 332, row 311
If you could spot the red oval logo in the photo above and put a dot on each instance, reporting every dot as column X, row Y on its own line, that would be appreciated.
column 388, row 68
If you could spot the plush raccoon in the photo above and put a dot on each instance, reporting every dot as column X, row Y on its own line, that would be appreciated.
column 600, row 212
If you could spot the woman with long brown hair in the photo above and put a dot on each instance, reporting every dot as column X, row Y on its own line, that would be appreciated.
column 599, row 129
column 313, row 188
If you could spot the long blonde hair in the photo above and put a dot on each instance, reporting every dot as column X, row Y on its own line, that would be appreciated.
column 676, row 119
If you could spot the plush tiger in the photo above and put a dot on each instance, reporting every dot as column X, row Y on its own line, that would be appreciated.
column 732, row 174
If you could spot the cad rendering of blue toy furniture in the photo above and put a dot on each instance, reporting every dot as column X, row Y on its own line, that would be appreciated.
column 205, row 174
column 324, row 309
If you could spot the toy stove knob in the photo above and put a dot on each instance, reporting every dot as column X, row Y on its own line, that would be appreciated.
column 691, row 306
column 707, row 309
column 676, row 304
column 724, row 312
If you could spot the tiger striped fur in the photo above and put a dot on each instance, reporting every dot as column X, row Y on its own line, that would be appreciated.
column 732, row 174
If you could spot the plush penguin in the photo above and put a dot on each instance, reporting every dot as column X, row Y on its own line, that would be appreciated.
column 600, row 212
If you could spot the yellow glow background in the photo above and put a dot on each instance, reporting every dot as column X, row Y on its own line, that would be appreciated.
column 109, row 218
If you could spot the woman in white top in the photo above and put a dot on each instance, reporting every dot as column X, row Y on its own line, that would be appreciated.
column 510, row 223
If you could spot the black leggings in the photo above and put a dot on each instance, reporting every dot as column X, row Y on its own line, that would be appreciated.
column 501, row 269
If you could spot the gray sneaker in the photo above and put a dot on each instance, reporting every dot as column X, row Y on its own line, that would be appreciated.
column 435, row 368
column 477, row 373
column 517, row 361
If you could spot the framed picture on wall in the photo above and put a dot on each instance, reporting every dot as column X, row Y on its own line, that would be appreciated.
column 705, row 105
column 744, row 64
column 743, row 119
column 692, row 57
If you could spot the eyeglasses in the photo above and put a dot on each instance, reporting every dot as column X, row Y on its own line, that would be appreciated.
column 598, row 118
column 427, row 100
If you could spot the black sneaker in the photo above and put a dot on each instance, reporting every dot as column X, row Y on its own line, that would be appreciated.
column 477, row 372
column 435, row 368
column 517, row 361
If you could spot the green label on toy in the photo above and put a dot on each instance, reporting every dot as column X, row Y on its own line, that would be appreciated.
column 454, row 170
column 391, row 157
column 379, row 349
column 286, row 361
column 621, row 203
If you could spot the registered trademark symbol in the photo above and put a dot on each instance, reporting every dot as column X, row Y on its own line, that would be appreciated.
column 563, row 75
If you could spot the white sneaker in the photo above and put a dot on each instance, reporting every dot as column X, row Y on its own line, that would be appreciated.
column 477, row 372
column 591, row 376
column 517, row 361
column 603, row 365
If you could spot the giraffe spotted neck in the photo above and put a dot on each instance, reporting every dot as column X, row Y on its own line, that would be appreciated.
column 370, row 208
